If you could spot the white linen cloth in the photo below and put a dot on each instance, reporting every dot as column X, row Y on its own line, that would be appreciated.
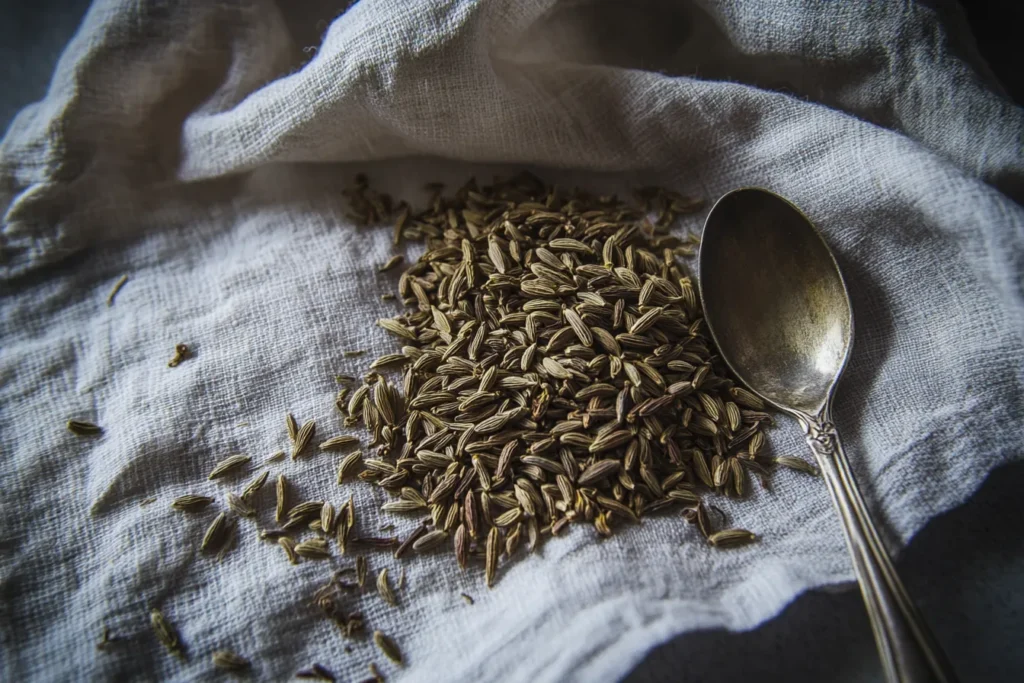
column 198, row 148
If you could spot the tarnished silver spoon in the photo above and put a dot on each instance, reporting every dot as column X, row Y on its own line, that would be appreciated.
column 777, row 307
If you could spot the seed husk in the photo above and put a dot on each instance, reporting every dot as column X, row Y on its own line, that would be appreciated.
column 388, row 647
column 292, row 426
column 191, row 503
column 83, row 428
column 226, row 660
column 229, row 465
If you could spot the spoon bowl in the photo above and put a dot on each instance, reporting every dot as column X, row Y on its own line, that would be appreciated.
column 777, row 307
column 775, row 301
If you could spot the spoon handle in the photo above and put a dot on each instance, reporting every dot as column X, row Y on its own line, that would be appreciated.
column 909, row 652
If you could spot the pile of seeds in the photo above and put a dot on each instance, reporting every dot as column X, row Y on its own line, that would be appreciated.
column 554, row 370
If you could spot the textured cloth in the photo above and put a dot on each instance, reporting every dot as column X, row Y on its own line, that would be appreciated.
column 201, row 150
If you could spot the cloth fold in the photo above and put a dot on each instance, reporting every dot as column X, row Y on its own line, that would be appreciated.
column 202, row 149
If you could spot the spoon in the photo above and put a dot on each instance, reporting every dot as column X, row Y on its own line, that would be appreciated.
column 778, row 310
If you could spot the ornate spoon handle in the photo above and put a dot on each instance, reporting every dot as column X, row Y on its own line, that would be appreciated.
column 909, row 652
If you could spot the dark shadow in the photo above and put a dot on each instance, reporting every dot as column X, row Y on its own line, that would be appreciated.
column 961, row 569
column 873, row 336
column 32, row 36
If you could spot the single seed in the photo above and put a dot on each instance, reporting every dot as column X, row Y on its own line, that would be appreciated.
column 338, row 443
column 215, row 534
column 349, row 465
column 361, row 569
column 228, row 465
column 292, row 425
column 302, row 437
column 117, row 288
column 491, row 555
column 282, row 498
column 239, row 506
column 289, row 549
column 391, row 263
column 388, row 647
column 316, row 672
column 191, row 503
column 430, row 540
column 225, row 660
column 82, row 428
column 731, row 537
column 181, row 352
column 798, row 464
column 384, row 588
column 165, row 631
column 467, row 598
column 313, row 549
column 255, row 485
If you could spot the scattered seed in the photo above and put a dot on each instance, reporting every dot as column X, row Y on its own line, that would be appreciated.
column 313, row 549
column 387, row 646
column 165, row 632
column 349, row 465
column 338, row 443
column 467, row 598
column 282, row 498
column 117, row 288
column 240, row 506
column 391, row 263
column 302, row 437
column 82, row 428
column 191, row 503
column 226, row 660
column 731, row 537
column 216, row 534
column 316, row 672
column 228, row 465
column 181, row 353
column 254, row 486
column 798, row 464
column 361, row 569
column 384, row 588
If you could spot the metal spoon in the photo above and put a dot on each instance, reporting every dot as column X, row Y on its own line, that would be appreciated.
column 777, row 307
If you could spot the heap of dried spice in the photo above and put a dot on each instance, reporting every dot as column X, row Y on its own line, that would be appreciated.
column 554, row 370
